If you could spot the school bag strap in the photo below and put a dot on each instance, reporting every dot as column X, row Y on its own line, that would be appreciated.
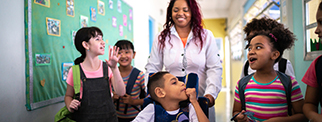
column 282, row 65
column 246, row 68
column 241, row 89
column 287, row 83
column 76, row 81
column 130, row 83
column 318, row 73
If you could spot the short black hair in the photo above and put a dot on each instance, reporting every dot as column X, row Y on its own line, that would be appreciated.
column 156, row 80
column 124, row 44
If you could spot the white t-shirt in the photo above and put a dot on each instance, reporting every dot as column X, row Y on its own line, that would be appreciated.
column 147, row 114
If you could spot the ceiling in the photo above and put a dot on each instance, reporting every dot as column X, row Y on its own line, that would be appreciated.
column 212, row 5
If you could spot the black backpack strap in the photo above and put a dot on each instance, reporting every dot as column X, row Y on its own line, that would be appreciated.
column 246, row 68
column 241, row 89
column 282, row 65
column 287, row 83
column 130, row 83
column 318, row 71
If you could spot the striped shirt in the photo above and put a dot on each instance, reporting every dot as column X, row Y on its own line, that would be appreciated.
column 131, row 112
column 268, row 100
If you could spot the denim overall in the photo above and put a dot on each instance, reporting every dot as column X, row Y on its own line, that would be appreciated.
column 96, row 103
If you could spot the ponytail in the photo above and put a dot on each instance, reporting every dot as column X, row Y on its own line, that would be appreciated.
column 80, row 59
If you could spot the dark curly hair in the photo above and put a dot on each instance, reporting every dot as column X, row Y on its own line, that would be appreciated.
column 281, row 38
column 196, row 23
column 320, row 6
column 261, row 24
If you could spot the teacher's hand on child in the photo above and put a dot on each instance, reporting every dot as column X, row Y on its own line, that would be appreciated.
column 74, row 104
column 113, row 58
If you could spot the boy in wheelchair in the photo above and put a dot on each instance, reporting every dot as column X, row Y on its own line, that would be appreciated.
column 169, row 101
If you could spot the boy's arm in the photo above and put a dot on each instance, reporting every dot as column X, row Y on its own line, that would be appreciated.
column 146, row 115
column 191, row 93
column 310, row 107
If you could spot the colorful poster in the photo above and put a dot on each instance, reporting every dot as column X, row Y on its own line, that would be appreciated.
column 124, row 20
column 70, row 8
column 43, row 59
column 53, row 26
column 45, row 3
column 101, row 8
column 114, row 23
column 119, row 6
column 93, row 13
column 130, row 14
column 110, row 4
column 121, row 30
column 83, row 21
column 65, row 69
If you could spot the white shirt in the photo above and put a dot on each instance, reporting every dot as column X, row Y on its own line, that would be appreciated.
column 147, row 114
column 205, row 62
column 289, row 69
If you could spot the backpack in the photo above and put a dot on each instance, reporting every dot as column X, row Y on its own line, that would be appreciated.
column 286, row 81
column 281, row 66
column 318, row 71
column 191, row 81
column 63, row 115
column 133, row 76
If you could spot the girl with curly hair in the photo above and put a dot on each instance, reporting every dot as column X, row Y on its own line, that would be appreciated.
column 265, row 95
column 184, row 47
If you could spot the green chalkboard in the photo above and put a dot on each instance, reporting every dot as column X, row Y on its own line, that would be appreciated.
column 49, row 27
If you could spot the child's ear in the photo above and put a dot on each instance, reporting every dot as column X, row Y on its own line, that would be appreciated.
column 159, row 92
column 275, row 54
column 85, row 45
column 133, row 54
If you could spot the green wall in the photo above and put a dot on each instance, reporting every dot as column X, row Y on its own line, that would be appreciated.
column 300, row 66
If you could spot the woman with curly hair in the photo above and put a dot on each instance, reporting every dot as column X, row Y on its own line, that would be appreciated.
column 184, row 47
column 264, row 96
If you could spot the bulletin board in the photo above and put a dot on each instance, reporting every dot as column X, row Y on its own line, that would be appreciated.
column 50, row 26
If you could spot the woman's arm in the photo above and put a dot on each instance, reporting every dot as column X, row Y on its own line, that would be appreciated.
column 214, row 68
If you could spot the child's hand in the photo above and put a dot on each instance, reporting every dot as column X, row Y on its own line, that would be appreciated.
column 115, row 96
column 191, row 93
column 113, row 59
column 241, row 117
column 74, row 104
column 127, row 99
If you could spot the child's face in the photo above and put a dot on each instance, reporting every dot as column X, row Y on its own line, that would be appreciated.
column 126, row 57
column 260, row 53
column 174, row 89
column 318, row 30
column 96, row 45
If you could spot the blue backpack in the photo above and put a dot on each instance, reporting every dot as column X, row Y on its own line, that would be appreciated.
column 133, row 76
